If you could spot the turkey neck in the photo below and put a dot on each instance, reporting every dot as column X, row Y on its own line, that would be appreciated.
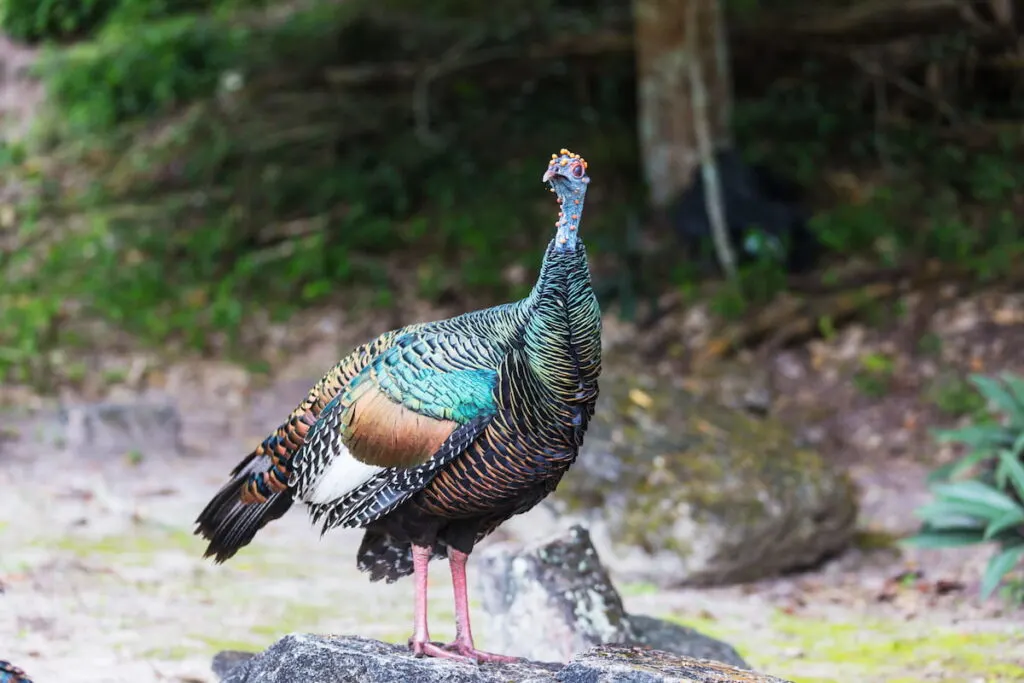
column 562, row 335
column 570, row 204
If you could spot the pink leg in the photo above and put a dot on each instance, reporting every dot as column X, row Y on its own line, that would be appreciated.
column 420, row 642
column 463, row 632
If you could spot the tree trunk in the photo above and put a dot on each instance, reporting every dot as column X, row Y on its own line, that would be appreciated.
column 664, row 50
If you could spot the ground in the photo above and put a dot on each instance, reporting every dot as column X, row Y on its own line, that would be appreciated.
column 104, row 581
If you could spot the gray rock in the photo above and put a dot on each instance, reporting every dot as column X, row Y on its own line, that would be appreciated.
column 118, row 429
column 677, row 489
column 325, row 659
column 659, row 634
column 551, row 600
column 641, row 665
column 554, row 599
column 227, row 660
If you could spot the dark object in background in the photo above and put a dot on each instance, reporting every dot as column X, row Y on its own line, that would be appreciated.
column 762, row 212
column 12, row 674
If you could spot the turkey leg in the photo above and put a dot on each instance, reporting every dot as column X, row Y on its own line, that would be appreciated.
column 420, row 643
column 463, row 644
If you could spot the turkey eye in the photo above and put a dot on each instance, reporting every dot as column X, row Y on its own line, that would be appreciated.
column 577, row 171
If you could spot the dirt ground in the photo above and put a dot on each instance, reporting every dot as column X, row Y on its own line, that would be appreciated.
column 104, row 581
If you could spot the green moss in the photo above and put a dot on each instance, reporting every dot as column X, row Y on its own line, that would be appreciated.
column 293, row 617
column 869, row 650
column 169, row 653
column 638, row 588
column 866, row 539
column 683, row 464
column 144, row 542
column 214, row 645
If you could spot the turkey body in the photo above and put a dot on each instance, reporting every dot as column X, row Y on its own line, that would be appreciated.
column 542, row 383
column 432, row 435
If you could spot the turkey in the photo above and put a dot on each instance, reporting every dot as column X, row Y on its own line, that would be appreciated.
column 12, row 674
column 431, row 436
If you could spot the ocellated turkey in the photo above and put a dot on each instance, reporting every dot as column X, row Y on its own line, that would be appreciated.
column 432, row 435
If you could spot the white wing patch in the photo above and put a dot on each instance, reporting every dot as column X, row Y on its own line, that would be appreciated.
column 342, row 475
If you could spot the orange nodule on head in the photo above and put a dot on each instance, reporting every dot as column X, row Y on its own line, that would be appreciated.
column 565, row 163
column 564, row 156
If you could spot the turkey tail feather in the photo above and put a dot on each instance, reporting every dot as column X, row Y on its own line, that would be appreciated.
column 228, row 523
column 385, row 558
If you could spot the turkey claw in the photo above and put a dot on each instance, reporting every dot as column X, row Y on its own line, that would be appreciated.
column 432, row 649
column 471, row 653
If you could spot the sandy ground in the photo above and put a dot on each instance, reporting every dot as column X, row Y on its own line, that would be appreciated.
column 104, row 581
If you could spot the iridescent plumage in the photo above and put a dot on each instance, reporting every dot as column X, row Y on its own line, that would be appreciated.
column 12, row 674
column 432, row 435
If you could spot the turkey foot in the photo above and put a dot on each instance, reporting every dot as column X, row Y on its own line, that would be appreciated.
column 420, row 642
column 463, row 643
column 467, row 650
column 427, row 648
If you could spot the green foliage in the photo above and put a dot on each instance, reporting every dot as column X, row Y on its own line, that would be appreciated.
column 955, row 397
column 987, row 507
column 940, row 197
column 36, row 20
column 757, row 282
column 145, row 69
column 196, row 214
column 61, row 20
column 214, row 159
column 874, row 377
column 33, row 295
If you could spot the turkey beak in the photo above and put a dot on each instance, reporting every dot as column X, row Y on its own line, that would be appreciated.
column 548, row 175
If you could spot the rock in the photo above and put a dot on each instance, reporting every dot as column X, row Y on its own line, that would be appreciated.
column 552, row 600
column 606, row 664
column 677, row 489
column 555, row 599
column 118, row 429
column 659, row 634
column 345, row 659
column 227, row 660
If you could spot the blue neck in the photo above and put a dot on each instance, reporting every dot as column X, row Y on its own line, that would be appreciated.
column 570, row 212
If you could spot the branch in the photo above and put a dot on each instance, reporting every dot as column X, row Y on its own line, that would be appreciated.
column 861, row 22
column 421, row 91
column 712, row 192
column 880, row 74
column 573, row 45
column 793, row 319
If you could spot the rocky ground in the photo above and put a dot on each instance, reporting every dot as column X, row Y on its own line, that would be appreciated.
column 103, row 580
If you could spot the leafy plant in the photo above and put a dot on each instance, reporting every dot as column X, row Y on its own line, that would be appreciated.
column 987, row 507
column 955, row 397
column 229, row 158
column 875, row 374
column 140, row 69
column 36, row 20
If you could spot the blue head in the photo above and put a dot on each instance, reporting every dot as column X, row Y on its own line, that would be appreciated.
column 568, row 179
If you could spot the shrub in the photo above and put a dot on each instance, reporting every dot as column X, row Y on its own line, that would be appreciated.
column 141, row 70
column 38, row 20
column 988, row 506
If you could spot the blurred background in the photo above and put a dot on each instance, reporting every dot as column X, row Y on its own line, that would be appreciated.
column 205, row 203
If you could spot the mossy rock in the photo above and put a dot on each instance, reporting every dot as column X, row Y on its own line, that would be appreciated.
column 679, row 489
